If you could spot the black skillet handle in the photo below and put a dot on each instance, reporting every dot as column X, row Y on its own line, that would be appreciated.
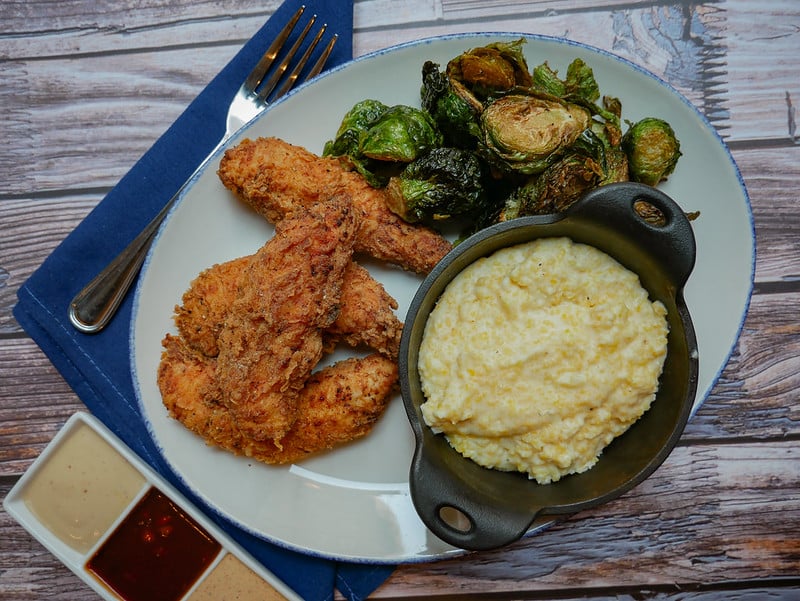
column 454, row 511
column 671, row 243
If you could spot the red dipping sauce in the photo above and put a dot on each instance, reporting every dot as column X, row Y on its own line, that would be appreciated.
column 156, row 553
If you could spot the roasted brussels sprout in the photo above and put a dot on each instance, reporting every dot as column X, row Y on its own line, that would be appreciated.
column 441, row 184
column 400, row 134
column 455, row 98
column 566, row 181
column 494, row 140
column 354, row 124
column 555, row 189
column 346, row 144
column 653, row 150
column 526, row 133
column 378, row 140
column 601, row 142
column 489, row 70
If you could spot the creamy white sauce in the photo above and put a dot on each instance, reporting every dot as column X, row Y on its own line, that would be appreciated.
column 82, row 489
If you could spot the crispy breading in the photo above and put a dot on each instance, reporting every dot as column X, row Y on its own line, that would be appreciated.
column 366, row 311
column 272, row 336
column 191, row 392
column 252, row 330
column 201, row 314
column 338, row 404
column 276, row 178
column 367, row 315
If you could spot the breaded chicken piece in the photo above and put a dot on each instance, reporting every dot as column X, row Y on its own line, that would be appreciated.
column 275, row 178
column 340, row 403
column 191, row 392
column 367, row 315
column 272, row 336
column 366, row 311
column 204, row 306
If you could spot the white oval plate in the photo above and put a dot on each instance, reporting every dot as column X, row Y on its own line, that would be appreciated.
column 354, row 503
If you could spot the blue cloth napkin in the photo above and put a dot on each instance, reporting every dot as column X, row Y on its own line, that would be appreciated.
column 97, row 366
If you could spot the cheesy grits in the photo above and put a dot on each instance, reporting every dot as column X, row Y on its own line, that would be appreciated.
column 536, row 357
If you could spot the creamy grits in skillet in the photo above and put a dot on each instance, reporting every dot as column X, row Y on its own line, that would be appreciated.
column 536, row 357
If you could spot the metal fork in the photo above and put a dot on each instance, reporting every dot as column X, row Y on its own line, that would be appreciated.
column 94, row 306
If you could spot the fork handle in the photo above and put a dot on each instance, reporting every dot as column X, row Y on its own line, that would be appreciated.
column 94, row 306
column 97, row 303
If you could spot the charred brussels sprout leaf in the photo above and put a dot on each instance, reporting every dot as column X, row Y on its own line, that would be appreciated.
column 601, row 142
column 546, row 80
column 455, row 117
column 653, row 150
column 615, row 167
column 579, row 87
column 581, row 84
column 613, row 105
column 556, row 188
column 525, row 133
column 441, row 184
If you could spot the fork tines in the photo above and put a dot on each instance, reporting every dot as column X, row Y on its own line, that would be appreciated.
column 263, row 89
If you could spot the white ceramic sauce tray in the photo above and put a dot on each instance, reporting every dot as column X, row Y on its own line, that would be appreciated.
column 126, row 531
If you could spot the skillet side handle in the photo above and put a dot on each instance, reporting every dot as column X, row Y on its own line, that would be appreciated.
column 455, row 515
column 672, row 244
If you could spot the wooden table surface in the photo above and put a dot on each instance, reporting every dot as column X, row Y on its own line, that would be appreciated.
column 88, row 86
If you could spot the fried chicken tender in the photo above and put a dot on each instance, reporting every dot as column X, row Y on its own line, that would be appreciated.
column 367, row 315
column 275, row 178
column 201, row 316
column 366, row 311
column 272, row 335
column 340, row 403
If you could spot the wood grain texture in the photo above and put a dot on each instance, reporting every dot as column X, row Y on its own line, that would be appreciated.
column 759, row 45
column 768, row 174
column 76, row 28
column 708, row 513
column 756, row 394
column 87, row 87
column 691, row 46
column 69, row 90
column 31, row 228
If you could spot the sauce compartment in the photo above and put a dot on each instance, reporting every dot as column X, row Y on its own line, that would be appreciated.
column 126, row 531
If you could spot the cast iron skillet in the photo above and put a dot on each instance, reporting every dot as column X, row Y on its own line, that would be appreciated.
column 494, row 507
